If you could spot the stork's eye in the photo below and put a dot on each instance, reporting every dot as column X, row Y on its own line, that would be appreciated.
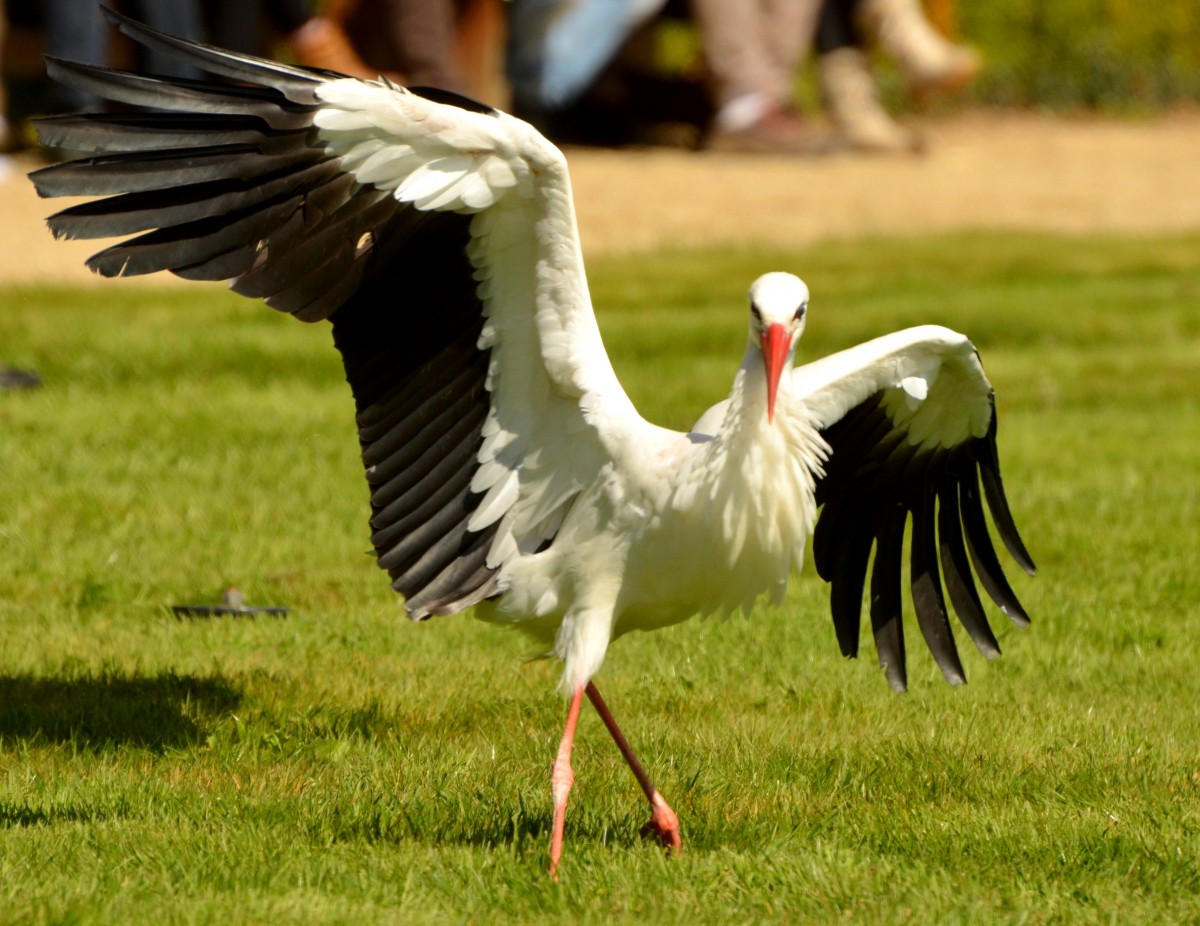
column 800, row 310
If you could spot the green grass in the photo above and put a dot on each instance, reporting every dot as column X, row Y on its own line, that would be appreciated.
column 345, row 765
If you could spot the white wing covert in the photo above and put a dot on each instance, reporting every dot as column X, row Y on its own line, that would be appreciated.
column 911, row 424
column 438, row 237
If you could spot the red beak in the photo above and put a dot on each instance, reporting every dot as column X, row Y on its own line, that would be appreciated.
column 775, row 344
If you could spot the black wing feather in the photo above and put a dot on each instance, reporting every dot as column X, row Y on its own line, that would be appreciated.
column 134, row 131
column 231, row 181
column 887, row 623
column 183, row 95
column 194, row 245
column 956, row 571
column 993, row 490
column 293, row 82
column 875, row 480
column 928, row 600
column 851, row 550
column 136, row 212
column 983, row 553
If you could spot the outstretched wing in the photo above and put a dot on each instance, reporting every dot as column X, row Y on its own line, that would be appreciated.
column 436, row 234
column 911, row 423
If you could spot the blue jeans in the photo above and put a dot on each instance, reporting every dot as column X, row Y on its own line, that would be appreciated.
column 557, row 48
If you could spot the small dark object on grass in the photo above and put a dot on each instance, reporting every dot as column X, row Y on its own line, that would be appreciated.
column 232, row 605
column 18, row 379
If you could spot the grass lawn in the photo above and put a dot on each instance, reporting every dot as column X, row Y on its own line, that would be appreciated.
column 346, row 765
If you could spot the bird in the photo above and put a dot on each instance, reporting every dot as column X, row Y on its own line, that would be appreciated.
column 508, row 470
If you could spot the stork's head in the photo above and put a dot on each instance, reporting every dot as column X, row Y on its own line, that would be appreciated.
column 778, row 305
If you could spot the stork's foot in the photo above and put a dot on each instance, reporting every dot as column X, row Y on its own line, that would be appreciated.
column 562, row 777
column 663, row 825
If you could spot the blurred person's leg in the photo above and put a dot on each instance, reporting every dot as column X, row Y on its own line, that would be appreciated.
column 75, row 30
column 238, row 25
column 583, row 72
column 411, row 40
column 183, row 18
column 751, row 49
column 848, row 87
column 790, row 30
column 558, row 48
column 78, row 31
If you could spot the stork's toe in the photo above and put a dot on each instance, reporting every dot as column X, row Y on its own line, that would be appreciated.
column 663, row 825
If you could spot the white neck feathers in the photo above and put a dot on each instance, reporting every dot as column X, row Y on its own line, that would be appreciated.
column 754, row 482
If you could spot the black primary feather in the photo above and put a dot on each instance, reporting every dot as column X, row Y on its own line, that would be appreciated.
column 873, row 468
column 227, row 179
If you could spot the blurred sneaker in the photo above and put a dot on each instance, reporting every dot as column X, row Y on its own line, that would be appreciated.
column 779, row 130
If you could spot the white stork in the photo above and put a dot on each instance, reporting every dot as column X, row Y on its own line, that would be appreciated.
column 508, row 470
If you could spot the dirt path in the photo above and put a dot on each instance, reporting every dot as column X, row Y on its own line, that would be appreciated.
column 983, row 171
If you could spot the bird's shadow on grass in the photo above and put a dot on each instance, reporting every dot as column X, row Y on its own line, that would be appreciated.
column 13, row 814
column 97, row 712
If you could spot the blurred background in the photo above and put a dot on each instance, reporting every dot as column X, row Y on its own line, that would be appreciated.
column 618, row 71
column 876, row 116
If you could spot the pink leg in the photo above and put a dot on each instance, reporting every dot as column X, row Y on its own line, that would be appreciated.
column 562, row 776
column 664, row 825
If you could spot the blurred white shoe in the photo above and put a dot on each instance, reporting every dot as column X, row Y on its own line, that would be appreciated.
column 928, row 60
column 853, row 104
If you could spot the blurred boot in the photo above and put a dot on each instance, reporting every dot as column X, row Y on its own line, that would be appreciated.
column 929, row 61
column 853, row 103
column 322, row 43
